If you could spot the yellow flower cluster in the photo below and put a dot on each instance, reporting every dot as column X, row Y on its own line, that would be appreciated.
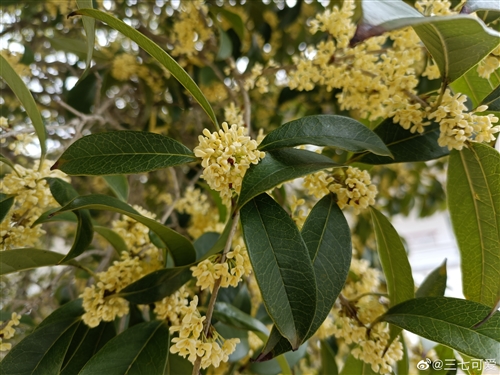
column 191, row 28
column 233, row 115
column 192, row 342
column 100, row 301
column 226, row 156
column 299, row 215
column 489, row 64
column 123, row 67
column 169, row 308
column 32, row 198
column 350, row 321
column 7, row 331
column 368, row 74
column 204, row 217
column 457, row 126
column 353, row 189
column 229, row 272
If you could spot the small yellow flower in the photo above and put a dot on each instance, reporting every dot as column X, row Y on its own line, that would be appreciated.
column 226, row 155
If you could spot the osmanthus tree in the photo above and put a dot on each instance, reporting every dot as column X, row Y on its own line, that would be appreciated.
column 202, row 170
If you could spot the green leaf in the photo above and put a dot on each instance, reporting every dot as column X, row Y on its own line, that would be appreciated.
column 450, row 321
column 112, row 237
column 43, row 351
column 156, row 285
column 86, row 342
column 493, row 99
column 177, row 365
column 404, row 145
column 434, row 284
column 119, row 185
column 47, row 217
column 394, row 260
column 179, row 246
column 328, row 239
column 4, row 160
column 89, row 27
column 63, row 193
column 230, row 315
column 356, row 366
column 280, row 166
column 24, row 95
column 6, row 202
column 16, row 260
column 225, row 46
column 158, row 53
column 456, row 43
column 328, row 363
column 473, row 190
column 471, row 6
column 282, row 267
column 122, row 152
column 204, row 243
column 234, row 19
column 403, row 365
column 141, row 349
column 475, row 87
column 325, row 130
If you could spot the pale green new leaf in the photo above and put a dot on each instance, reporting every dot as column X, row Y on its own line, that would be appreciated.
column 473, row 190
column 20, row 89
column 476, row 88
column 157, row 52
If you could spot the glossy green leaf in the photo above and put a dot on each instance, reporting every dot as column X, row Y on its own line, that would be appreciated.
column 141, row 349
column 328, row 363
column 43, row 351
column 456, row 43
column 20, row 89
column 122, row 152
column 89, row 27
column 230, row 315
column 47, row 217
column 404, row 145
column 282, row 267
column 450, row 321
column 471, row 6
column 157, row 52
column 434, row 284
column 16, row 260
column 156, row 285
column 179, row 246
column 234, row 19
column 279, row 166
column 328, row 239
column 325, row 130
column 473, row 190
column 493, row 99
column 112, row 237
column 6, row 202
column 394, row 259
column 475, row 87
column 204, row 243
column 119, row 185
column 86, row 342
column 356, row 366
column 63, row 193
column 177, row 365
